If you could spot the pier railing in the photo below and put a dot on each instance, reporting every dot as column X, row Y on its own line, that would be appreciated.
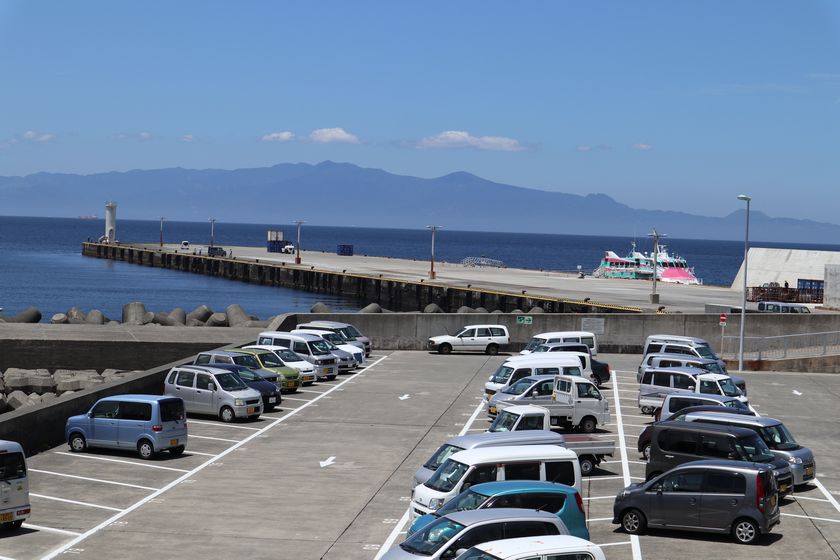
column 787, row 295
column 809, row 345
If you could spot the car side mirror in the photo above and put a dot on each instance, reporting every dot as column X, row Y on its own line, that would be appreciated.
column 212, row 386
column 658, row 489
column 490, row 378
column 535, row 393
column 460, row 551
column 691, row 387
column 89, row 414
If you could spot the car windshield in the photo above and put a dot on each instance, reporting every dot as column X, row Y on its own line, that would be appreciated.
column 502, row 374
column 476, row 554
column 230, row 382
column 351, row 332
column 447, row 476
column 464, row 501
column 729, row 389
column 533, row 343
column 712, row 367
column 778, row 437
column 247, row 375
column 334, row 338
column 432, row 537
column 270, row 359
column 504, row 422
column 519, row 387
column 248, row 361
column 706, row 352
column 442, row 454
column 541, row 348
column 754, row 449
column 736, row 404
column 321, row 347
column 288, row 356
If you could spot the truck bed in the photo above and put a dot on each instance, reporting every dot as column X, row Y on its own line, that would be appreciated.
column 584, row 444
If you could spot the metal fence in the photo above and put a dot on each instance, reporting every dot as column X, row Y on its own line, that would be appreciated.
column 807, row 345
column 789, row 295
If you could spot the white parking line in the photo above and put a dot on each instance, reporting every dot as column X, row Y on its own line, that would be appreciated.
column 294, row 399
column 827, row 494
column 592, row 519
column 625, row 466
column 811, row 518
column 93, row 479
column 87, row 504
column 795, row 497
column 147, row 465
column 630, row 542
column 213, row 438
column 188, row 474
column 321, row 392
column 599, row 498
column 51, row 529
column 222, row 425
column 188, row 452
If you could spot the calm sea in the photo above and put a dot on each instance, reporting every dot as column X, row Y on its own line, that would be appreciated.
column 42, row 264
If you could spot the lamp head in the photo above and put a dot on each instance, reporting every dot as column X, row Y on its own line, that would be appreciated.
column 744, row 197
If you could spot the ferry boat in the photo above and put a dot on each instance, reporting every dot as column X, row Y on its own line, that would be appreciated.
column 639, row 266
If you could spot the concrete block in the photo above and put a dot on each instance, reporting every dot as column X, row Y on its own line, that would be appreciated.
column 73, row 380
column 465, row 309
column 76, row 316
column 28, row 315
column 217, row 320
column 536, row 310
column 481, row 310
column 135, row 313
column 96, row 317
column 236, row 316
column 372, row 308
column 47, row 397
column 17, row 399
column 178, row 316
column 201, row 313
column 193, row 322
column 38, row 380
column 59, row 319
column 433, row 308
column 320, row 308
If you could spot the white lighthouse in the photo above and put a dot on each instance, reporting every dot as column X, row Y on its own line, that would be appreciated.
column 110, row 222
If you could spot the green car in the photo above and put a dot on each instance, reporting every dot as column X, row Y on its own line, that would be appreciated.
column 269, row 361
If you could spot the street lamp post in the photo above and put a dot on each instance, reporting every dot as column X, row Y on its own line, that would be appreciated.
column 161, row 231
column 746, row 199
column 654, row 297
column 432, row 262
column 212, row 231
column 298, row 223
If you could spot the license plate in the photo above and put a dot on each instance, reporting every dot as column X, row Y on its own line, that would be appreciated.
column 173, row 442
column 488, row 395
column 809, row 471
column 252, row 409
column 272, row 400
column 329, row 370
column 6, row 517
column 783, row 487
column 492, row 410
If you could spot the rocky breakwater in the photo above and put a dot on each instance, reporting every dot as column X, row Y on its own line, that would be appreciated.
column 135, row 313
column 20, row 388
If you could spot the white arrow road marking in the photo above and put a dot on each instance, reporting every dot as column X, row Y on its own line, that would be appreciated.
column 406, row 396
column 797, row 393
column 328, row 462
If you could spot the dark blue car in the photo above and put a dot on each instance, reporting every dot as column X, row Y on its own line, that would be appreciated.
column 258, row 381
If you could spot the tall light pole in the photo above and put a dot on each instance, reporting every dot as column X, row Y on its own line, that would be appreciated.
column 161, row 231
column 298, row 223
column 654, row 297
column 747, row 199
column 212, row 231
column 432, row 262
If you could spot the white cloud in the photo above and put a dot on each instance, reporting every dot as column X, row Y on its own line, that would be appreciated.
column 189, row 138
column 32, row 136
column 329, row 135
column 284, row 136
column 591, row 148
column 463, row 139
column 145, row 135
column 643, row 147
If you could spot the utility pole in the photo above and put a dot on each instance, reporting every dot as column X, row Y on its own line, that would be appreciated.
column 161, row 231
column 654, row 297
column 432, row 262
column 298, row 223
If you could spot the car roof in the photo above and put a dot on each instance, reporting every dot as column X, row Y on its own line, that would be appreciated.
column 525, row 409
column 536, row 546
column 670, row 356
column 7, row 445
column 744, row 419
column 138, row 398
column 514, row 452
column 707, row 396
column 700, row 426
column 675, row 338
column 520, row 486
column 471, row 517
column 202, row 368
column 271, row 347
column 682, row 369
column 537, row 378
column 224, row 352
column 254, row 351
column 714, row 408
column 562, row 333
column 542, row 358
column 475, row 440
column 483, row 326
column 334, row 324
column 725, row 464
column 286, row 334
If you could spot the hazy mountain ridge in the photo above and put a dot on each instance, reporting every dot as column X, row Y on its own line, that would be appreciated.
column 344, row 194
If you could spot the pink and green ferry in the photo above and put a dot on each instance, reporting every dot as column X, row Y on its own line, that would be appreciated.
column 639, row 266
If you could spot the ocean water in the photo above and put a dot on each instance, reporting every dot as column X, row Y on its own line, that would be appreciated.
column 41, row 263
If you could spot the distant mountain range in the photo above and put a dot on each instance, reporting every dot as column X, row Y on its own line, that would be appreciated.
column 343, row 194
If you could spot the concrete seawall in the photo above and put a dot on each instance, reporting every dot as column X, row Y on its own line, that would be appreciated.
column 395, row 294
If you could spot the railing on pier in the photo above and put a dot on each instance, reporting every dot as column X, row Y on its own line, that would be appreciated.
column 809, row 345
column 788, row 295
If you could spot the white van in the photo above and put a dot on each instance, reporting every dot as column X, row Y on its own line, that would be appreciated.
column 514, row 369
column 488, row 464
column 14, row 486
column 583, row 337
column 544, row 547
column 311, row 348
column 781, row 307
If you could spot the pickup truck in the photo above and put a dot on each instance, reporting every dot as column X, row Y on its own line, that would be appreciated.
column 590, row 450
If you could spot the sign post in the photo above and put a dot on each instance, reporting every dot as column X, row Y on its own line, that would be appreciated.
column 722, row 327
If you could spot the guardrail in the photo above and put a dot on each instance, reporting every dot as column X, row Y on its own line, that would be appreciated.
column 808, row 345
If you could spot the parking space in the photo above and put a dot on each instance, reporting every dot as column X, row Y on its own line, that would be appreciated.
column 328, row 474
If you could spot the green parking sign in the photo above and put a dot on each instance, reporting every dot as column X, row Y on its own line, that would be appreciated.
column 524, row 320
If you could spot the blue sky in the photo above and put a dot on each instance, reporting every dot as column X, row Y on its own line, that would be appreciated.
column 665, row 105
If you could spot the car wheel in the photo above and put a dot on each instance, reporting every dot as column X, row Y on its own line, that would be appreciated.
column 587, row 465
column 745, row 531
column 13, row 525
column 145, row 449
column 445, row 348
column 492, row 349
column 647, row 410
column 77, row 443
column 227, row 414
column 646, row 452
column 588, row 425
column 175, row 451
column 633, row 522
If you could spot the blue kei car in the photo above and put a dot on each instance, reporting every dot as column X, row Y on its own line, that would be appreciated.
column 559, row 499
column 147, row 424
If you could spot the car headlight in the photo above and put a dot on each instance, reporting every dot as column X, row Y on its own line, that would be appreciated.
column 795, row 460
column 239, row 402
column 621, row 495
column 435, row 503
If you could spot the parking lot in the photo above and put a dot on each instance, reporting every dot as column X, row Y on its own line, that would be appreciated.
column 328, row 474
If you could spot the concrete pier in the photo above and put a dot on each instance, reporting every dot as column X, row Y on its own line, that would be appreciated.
column 403, row 284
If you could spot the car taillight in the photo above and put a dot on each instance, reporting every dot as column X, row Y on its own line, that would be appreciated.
column 157, row 428
column 579, row 501
column 658, row 414
column 185, row 423
column 23, row 511
column 759, row 492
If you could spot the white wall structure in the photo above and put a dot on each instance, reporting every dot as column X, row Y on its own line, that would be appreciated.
column 831, row 293
column 110, row 222
column 780, row 265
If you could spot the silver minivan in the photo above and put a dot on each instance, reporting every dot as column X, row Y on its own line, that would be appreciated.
column 215, row 391
column 487, row 439
column 347, row 330
column 660, row 360
column 311, row 348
